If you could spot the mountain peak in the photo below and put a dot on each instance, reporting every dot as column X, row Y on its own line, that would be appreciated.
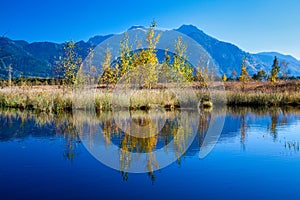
column 98, row 39
column 34, row 59
column 188, row 29
column 136, row 27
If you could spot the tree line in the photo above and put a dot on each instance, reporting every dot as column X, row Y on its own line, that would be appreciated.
column 277, row 72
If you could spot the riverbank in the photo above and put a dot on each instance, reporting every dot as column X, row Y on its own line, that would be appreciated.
column 56, row 99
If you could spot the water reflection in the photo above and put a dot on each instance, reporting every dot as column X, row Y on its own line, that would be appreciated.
column 268, row 119
column 142, row 141
column 183, row 129
column 16, row 124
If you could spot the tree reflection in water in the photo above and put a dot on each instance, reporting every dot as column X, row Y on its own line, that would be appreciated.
column 158, row 131
column 177, row 126
column 275, row 117
column 69, row 131
column 17, row 124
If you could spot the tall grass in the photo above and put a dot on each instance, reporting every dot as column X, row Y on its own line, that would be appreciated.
column 53, row 100
column 61, row 100
column 263, row 99
column 58, row 100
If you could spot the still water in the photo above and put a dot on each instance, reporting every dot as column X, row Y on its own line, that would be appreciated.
column 46, row 156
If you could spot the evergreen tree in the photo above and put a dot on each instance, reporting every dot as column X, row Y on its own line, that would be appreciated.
column 275, row 70
column 261, row 75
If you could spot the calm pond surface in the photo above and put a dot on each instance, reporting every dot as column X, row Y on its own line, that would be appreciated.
column 52, row 157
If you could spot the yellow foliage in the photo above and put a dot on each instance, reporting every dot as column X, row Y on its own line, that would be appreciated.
column 224, row 78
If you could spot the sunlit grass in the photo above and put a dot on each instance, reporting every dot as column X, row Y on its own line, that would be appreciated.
column 54, row 100
column 263, row 99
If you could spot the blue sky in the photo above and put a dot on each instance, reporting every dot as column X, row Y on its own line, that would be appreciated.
column 253, row 25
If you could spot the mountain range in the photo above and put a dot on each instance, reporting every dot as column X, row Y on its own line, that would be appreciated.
column 38, row 58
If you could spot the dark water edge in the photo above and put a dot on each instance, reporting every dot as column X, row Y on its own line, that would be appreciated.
column 257, row 156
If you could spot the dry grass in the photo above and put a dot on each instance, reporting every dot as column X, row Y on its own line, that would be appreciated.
column 47, row 100
column 265, row 87
column 53, row 99
column 282, row 93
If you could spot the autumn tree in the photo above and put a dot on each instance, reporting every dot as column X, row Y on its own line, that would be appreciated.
column 244, row 77
column 142, row 66
column 224, row 78
column 126, row 56
column 275, row 70
column 90, row 69
column 145, row 61
column 180, row 63
column 80, row 78
column 165, row 69
column 70, row 63
column 109, row 75
column 202, row 75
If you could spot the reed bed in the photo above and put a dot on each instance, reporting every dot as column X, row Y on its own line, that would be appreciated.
column 52, row 100
column 55, row 100
column 254, row 99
